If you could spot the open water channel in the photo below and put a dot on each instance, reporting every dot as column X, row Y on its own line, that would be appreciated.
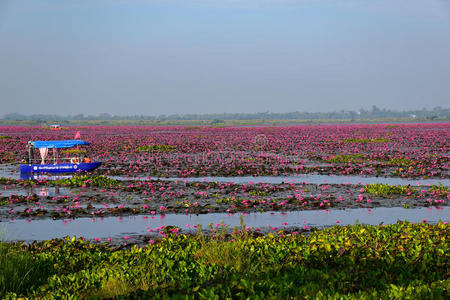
column 146, row 225
column 116, row 227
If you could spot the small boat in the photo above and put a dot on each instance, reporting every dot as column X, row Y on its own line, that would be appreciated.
column 78, row 162
column 55, row 127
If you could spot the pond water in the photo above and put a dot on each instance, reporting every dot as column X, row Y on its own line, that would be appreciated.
column 91, row 228
column 10, row 171
column 43, row 191
column 304, row 178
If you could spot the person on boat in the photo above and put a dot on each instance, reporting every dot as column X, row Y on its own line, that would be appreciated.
column 74, row 160
column 29, row 156
column 87, row 160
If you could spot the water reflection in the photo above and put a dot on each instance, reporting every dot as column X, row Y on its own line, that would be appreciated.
column 298, row 178
column 140, row 225
column 304, row 178
column 43, row 191
column 38, row 176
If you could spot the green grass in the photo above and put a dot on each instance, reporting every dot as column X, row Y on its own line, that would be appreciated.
column 20, row 272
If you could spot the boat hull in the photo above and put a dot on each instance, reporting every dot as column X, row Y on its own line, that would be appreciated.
column 59, row 168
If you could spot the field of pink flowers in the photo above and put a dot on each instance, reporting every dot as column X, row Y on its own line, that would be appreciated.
column 402, row 150
column 230, row 210
column 413, row 151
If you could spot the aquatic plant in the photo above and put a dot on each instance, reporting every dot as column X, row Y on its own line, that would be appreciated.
column 360, row 140
column 406, row 260
column 401, row 161
column 341, row 158
column 380, row 189
column 416, row 150
column 155, row 148
column 440, row 190
column 86, row 180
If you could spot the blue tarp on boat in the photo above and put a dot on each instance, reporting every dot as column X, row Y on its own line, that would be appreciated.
column 58, row 144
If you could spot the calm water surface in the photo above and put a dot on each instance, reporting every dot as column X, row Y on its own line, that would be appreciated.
column 29, row 230
column 10, row 171
column 304, row 178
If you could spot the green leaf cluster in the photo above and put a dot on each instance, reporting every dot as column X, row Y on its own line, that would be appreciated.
column 381, row 189
column 156, row 148
column 343, row 158
column 440, row 190
column 85, row 180
column 401, row 161
column 377, row 140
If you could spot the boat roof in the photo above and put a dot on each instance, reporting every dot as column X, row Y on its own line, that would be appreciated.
column 57, row 144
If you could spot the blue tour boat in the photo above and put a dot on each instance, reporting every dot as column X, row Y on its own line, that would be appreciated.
column 74, row 164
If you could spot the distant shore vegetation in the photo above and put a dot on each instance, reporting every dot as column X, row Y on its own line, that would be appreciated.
column 375, row 114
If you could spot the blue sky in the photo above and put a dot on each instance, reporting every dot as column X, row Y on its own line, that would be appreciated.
column 205, row 56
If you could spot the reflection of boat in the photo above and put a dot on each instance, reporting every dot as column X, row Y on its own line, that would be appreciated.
column 79, row 162
column 43, row 176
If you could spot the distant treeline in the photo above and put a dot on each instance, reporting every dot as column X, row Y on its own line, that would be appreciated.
column 374, row 113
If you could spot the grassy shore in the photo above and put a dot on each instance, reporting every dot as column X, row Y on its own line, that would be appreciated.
column 401, row 261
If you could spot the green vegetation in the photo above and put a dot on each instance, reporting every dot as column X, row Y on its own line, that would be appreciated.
column 156, row 148
column 7, row 157
column 388, row 190
column 380, row 189
column 75, row 181
column 377, row 140
column 400, row 161
column 359, row 158
column 258, row 193
column 228, row 122
column 74, row 151
column 440, row 190
column 5, row 137
column 401, row 261
column 4, row 180
column 85, row 180
column 20, row 271
column 342, row 158
column 227, row 200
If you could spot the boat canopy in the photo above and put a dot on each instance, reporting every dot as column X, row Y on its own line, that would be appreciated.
column 57, row 144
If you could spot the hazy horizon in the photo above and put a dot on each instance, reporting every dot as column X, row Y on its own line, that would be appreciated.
column 86, row 114
column 153, row 57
